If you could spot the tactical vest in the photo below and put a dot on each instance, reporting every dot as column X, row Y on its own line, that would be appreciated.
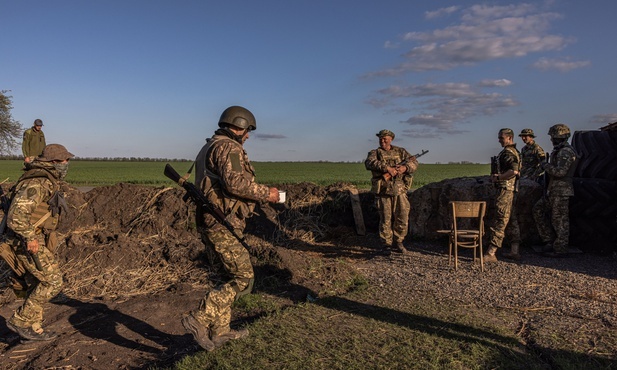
column 210, row 184
column 397, row 185
column 507, row 184
column 45, row 216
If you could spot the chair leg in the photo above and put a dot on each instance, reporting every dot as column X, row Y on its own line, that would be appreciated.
column 455, row 254
column 481, row 258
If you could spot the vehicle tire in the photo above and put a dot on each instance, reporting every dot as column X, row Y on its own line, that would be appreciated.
column 597, row 152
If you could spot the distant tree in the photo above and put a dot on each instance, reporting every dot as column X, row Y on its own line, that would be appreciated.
column 10, row 130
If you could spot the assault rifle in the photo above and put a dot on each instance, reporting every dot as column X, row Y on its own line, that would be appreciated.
column 193, row 193
column 496, row 170
column 495, row 165
column 386, row 176
column 5, row 204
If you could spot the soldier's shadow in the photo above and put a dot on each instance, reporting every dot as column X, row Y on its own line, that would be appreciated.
column 98, row 321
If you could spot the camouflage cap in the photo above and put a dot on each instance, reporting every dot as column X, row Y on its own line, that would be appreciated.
column 527, row 132
column 507, row 132
column 55, row 152
column 383, row 133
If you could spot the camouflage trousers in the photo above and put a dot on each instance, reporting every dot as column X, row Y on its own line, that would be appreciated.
column 505, row 219
column 393, row 218
column 227, row 255
column 41, row 286
column 557, row 230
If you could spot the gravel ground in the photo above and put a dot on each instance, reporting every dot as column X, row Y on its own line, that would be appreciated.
column 569, row 302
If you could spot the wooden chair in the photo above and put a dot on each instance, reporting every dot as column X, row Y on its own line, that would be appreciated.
column 468, row 237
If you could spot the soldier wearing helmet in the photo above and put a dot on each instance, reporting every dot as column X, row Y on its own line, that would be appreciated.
column 31, row 241
column 555, row 233
column 227, row 179
column 532, row 156
column 505, row 178
column 391, row 195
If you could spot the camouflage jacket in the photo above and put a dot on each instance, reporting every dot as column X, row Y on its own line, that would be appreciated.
column 33, row 143
column 378, row 161
column 227, row 178
column 509, row 159
column 532, row 156
column 29, row 214
column 560, row 169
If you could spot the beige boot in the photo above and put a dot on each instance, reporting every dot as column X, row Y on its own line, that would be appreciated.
column 490, row 254
column 513, row 254
column 220, row 339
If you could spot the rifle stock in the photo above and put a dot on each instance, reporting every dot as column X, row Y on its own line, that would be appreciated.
column 193, row 193
column 386, row 176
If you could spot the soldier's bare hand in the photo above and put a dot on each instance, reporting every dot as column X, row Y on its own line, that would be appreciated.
column 274, row 195
column 392, row 171
column 401, row 169
column 33, row 246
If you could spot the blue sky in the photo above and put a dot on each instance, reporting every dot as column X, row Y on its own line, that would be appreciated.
column 150, row 78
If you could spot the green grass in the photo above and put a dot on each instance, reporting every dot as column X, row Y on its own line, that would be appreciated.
column 99, row 173
column 354, row 332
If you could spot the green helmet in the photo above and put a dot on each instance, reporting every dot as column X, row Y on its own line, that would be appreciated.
column 559, row 131
column 238, row 117
column 55, row 152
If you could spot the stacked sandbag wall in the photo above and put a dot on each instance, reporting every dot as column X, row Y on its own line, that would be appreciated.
column 430, row 209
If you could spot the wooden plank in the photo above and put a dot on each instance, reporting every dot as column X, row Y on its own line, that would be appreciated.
column 357, row 211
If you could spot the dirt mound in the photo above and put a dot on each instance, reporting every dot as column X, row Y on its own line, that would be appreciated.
column 131, row 252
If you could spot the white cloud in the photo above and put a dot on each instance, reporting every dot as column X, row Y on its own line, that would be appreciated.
column 604, row 119
column 561, row 65
column 441, row 12
column 495, row 83
column 483, row 33
column 442, row 107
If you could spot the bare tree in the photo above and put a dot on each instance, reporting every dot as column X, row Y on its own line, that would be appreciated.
column 10, row 129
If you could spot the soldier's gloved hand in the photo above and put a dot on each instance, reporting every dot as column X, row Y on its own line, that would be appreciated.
column 33, row 246
column 274, row 195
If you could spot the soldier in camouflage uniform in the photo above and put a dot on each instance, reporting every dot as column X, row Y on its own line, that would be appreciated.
column 505, row 185
column 532, row 156
column 32, row 219
column 225, row 175
column 391, row 194
column 560, row 169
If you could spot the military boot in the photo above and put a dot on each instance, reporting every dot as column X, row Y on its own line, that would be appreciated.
column 490, row 254
column 220, row 339
column 400, row 247
column 513, row 254
column 200, row 332
column 35, row 332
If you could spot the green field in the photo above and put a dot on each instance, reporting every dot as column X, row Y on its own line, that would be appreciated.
column 99, row 173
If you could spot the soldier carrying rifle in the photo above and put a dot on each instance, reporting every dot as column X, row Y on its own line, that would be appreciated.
column 29, row 239
column 505, row 169
column 392, row 168
column 226, row 180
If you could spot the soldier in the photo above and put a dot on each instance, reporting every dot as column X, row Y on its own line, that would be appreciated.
column 560, row 169
column 33, row 142
column 504, row 179
column 390, row 184
column 225, row 175
column 532, row 156
column 31, row 241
